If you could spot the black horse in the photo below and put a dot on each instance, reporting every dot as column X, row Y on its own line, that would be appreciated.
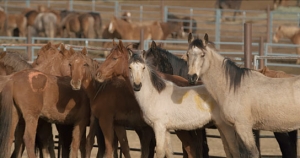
column 162, row 59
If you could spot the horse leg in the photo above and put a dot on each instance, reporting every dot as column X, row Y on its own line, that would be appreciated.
column 83, row 144
column 90, row 137
column 106, row 125
column 160, row 136
column 245, row 134
column 100, row 140
column 286, row 146
column 146, row 136
column 168, row 145
column 122, row 137
column 45, row 137
column 186, row 140
column 77, row 134
column 294, row 139
column 31, row 123
column 65, row 138
column 19, row 144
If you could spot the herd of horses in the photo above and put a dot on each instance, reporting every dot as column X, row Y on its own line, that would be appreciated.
column 151, row 92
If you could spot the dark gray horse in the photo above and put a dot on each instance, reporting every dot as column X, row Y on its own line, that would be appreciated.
column 229, row 4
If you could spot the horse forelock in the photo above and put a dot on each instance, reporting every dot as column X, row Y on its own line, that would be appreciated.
column 234, row 74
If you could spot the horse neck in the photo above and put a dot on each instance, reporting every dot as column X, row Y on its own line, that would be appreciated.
column 120, row 27
column 289, row 32
column 147, row 87
column 180, row 67
column 215, row 76
column 49, row 67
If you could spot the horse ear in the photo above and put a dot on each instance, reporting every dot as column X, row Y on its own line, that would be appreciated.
column 144, row 54
column 62, row 47
column 114, row 43
column 57, row 45
column 153, row 45
column 48, row 45
column 190, row 38
column 205, row 39
column 84, row 51
column 72, row 51
column 121, row 44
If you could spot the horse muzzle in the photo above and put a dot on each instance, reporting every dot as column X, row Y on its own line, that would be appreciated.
column 192, row 79
column 75, row 84
column 137, row 87
column 99, row 77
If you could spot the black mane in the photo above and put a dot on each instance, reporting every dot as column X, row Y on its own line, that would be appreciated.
column 234, row 73
column 158, row 83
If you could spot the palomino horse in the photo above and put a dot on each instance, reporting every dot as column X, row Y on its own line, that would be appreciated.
column 132, row 31
column 291, row 32
column 169, row 106
column 247, row 99
column 15, row 22
column 67, row 107
column 113, row 105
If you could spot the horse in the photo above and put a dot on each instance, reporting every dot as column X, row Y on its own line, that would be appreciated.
column 189, row 25
column 166, row 62
column 159, row 91
column 291, row 32
column 113, row 105
column 62, row 108
column 132, row 31
column 62, row 69
column 97, row 23
column 15, row 22
column 279, row 3
column 231, row 4
column 45, row 24
column 252, row 99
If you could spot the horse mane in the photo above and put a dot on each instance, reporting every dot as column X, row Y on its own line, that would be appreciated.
column 234, row 73
column 16, row 61
column 158, row 83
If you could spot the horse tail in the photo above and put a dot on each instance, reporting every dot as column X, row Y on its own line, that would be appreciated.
column 6, row 119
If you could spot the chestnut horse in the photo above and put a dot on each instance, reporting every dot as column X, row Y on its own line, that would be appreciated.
column 61, row 68
column 290, row 32
column 113, row 104
column 68, row 107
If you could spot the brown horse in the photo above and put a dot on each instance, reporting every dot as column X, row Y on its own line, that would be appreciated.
column 291, row 32
column 68, row 107
column 113, row 104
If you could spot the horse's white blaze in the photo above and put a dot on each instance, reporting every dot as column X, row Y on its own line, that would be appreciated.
column 110, row 27
column 175, row 108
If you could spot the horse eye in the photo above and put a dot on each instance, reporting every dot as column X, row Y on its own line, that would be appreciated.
column 129, row 68
column 115, row 58
column 85, row 64
column 144, row 68
column 70, row 64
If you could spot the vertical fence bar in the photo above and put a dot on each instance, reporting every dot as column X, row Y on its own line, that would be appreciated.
column 217, row 28
column 191, row 20
column 142, row 39
column 162, row 13
column 269, row 25
column 141, row 13
column 116, row 8
column 28, row 3
column 48, row 3
column 93, row 5
column 29, row 41
column 261, row 52
column 247, row 44
column 166, row 10
column 5, row 6
column 71, row 5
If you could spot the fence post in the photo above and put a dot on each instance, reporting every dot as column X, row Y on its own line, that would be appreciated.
column 269, row 25
column 141, row 13
column 29, row 41
column 217, row 28
column 116, row 8
column 93, row 5
column 162, row 10
column 191, row 20
column 261, row 53
column 142, row 39
column 71, row 5
column 166, row 10
column 247, row 44
column 5, row 6
column 28, row 3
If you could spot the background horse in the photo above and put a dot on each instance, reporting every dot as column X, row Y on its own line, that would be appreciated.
column 45, row 24
column 291, row 32
column 252, row 101
column 230, row 4
column 15, row 22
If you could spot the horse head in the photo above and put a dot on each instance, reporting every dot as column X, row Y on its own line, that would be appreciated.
column 115, row 63
column 196, row 57
column 278, row 34
column 112, row 25
column 82, row 69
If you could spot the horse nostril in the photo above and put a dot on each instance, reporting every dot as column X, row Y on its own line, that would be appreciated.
column 137, row 87
column 192, row 78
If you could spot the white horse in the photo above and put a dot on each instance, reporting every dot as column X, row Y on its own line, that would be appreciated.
column 166, row 106
column 247, row 99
